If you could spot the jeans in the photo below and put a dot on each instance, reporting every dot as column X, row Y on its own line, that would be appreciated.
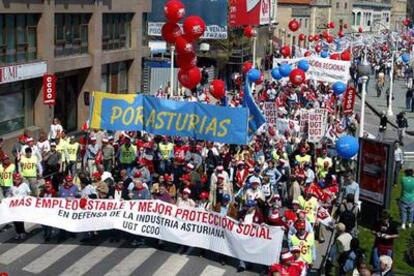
column 376, row 256
column 407, row 211
column 72, row 169
column 408, row 103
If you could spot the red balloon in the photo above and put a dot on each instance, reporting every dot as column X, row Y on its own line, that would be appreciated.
column 346, row 55
column 249, row 32
column 329, row 39
column 189, row 78
column 308, row 54
column 294, row 25
column 260, row 80
column 217, row 89
column 174, row 11
column 341, row 33
column 406, row 22
column 297, row 76
column 331, row 25
column 285, row 51
column 187, row 61
column 194, row 27
column 316, row 38
column 345, row 26
column 170, row 32
column 310, row 38
column 247, row 65
column 360, row 29
column 82, row 202
column 318, row 48
column 335, row 56
column 385, row 48
column 302, row 37
column 183, row 46
column 325, row 34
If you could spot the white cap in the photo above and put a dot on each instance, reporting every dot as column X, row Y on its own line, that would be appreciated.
column 29, row 139
column 220, row 168
column 190, row 166
column 254, row 179
column 187, row 191
column 93, row 138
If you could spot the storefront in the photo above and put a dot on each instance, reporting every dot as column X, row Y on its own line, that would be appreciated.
column 19, row 88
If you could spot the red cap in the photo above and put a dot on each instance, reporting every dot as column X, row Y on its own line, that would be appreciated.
column 17, row 176
column 97, row 175
column 69, row 178
column 300, row 225
column 204, row 195
column 186, row 177
column 138, row 174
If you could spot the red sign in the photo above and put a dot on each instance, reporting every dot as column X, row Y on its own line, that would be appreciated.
column 249, row 12
column 49, row 89
column 349, row 101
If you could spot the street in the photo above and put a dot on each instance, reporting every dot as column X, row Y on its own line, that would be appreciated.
column 100, row 257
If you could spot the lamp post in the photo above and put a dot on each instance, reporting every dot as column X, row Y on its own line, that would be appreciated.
column 364, row 70
column 389, row 110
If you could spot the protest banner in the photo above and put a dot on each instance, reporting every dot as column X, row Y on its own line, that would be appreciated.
column 324, row 217
column 321, row 69
column 349, row 101
column 151, row 218
column 215, row 18
column 270, row 112
column 304, row 119
column 316, row 125
column 132, row 112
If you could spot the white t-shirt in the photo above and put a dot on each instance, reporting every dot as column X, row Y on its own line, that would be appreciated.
column 21, row 190
column 43, row 146
column 54, row 129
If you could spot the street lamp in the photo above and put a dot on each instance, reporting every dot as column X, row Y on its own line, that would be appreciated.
column 364, row 70
column 389, row 111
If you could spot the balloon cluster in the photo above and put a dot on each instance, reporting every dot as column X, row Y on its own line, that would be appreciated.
column 296, row 76
column 194, row 27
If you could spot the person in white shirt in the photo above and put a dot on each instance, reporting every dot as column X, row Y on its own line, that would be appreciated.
column 35, row 149
column 55, row 129
column 185, row 200
column 43, row 145
column 310, row 174
column 19, row 189
column 398, row 161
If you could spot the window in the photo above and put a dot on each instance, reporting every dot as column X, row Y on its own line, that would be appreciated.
column 71, row 34
column 358, row 19
column 306, row 23
column 353, row 19
column 337, row 5
column 16, row 103
column 346, row 5
column 114, row 77
column 116, row 31
column 18, row 37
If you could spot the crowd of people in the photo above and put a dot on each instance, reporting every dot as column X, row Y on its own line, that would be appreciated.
column 279, row 179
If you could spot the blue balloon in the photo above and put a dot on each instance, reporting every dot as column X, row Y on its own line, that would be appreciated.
column 339, row 87
column 285, row 70
column 303, row 65
column 324, row 54
column 347, row 146
column 253, row 75
column 405, row 58
column 276, row 74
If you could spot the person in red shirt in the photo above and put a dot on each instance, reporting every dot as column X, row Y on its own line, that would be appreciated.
column 241, row 174
column 286, row 266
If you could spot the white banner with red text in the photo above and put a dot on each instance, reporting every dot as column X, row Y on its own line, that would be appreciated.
column 151, row 218
column 321, row 69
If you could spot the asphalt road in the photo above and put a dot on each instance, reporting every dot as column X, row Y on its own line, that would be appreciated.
column 33, row 256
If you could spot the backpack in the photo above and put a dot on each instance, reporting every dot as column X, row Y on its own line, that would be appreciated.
column 348, row 218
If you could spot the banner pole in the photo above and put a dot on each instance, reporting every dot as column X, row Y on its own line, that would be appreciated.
column 254, row 51
column 172, row 71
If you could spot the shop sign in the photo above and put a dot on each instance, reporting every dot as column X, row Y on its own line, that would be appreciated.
column 49, row 89
column 22, row 72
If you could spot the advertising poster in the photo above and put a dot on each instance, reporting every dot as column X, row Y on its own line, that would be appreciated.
column 215, row 18
column 374, row 171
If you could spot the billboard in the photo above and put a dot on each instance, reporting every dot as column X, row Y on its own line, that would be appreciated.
column 251, row 12
column 375, row 171
column 215, row 18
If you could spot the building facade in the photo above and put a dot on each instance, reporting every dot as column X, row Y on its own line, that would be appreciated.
column 341, row 13
column 371, row 15
column 398, row 14
column 88, row 45
column 410, row 10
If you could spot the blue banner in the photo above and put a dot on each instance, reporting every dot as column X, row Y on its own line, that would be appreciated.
column 215, row 18
column 131, row 112
column 256, row 118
